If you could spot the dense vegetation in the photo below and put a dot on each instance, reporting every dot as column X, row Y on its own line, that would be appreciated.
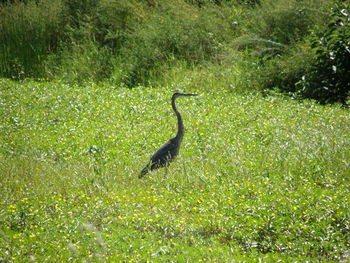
column 258, row 177
column 294, row 46
column 84, row 100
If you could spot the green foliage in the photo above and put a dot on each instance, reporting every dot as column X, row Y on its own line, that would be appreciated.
column 163, row 40
column 276, row 26
column 281, row 73
column 244, row 45
column 202, row 3
column 284, row 24
column 113, row 21
column 81, row 62
column 258, row 178
column 79, row 11
column 328, row 80
column 28, row 32
column 314, row 66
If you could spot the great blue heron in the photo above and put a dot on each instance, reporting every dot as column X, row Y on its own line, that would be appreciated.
column 169, row 150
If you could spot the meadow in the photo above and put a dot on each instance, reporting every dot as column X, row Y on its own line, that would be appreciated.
column 259, row 178
column 263, row 172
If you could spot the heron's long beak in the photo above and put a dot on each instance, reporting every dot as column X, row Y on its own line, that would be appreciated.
column 190, row 94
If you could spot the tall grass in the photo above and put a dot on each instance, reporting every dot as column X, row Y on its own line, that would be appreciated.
column 174, row 35
column 28, row 33
column 244, row 45
column 144, row 42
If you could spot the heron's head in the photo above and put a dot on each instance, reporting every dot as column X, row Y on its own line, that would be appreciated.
column 179, row 94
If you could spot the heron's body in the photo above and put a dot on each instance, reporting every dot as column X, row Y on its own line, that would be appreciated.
column 169, row 150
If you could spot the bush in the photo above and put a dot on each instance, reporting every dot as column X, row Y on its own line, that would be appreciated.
column 275, row 26
column 114, row 20
column 166, row 38
column 307, row 66
column 328, row 80
column 282, row 72
column 81, row 63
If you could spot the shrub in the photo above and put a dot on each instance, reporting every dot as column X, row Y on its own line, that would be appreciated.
column 280, row 73
column 286, row 25
column 277, row 25
column 328, row 80
column 113, row 20
column 81, row 63
column 308, row 66
column 166, row 38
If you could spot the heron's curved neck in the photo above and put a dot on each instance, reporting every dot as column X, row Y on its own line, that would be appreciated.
column 180, row 125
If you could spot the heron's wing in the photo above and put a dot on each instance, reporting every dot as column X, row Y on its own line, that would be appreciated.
column 160, row 157
column 165, row 153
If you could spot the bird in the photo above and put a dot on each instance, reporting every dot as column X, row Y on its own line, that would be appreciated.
column 168, row 152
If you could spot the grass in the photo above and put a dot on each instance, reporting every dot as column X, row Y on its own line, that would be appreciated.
column 258, row 178
column 28, row 33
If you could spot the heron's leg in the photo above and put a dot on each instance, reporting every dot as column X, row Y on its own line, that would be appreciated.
column 166, row 170
column 165, row 174
column 188, row 178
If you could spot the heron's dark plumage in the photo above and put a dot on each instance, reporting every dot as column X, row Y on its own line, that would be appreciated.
column 169, row 150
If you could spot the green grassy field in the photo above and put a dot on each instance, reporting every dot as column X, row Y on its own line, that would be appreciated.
column 258, row 178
